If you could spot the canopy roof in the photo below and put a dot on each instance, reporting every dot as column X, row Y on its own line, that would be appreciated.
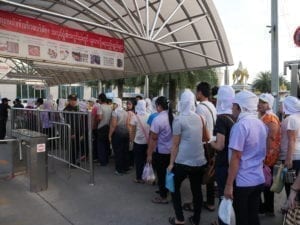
column 160, row 36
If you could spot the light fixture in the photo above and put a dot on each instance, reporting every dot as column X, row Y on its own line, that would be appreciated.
column 60, row 67
column 34, row 82
column 27, row 76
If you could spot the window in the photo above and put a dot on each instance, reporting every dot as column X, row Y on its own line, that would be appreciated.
column 28, row 91
column 64, row 91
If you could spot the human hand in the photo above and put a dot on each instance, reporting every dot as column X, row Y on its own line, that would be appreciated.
column 149, row 158
column 170, row 167
column 291, row 202
column 228, row 192
column 288, row 163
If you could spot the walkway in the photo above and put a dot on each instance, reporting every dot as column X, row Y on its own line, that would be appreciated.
column 114, row 200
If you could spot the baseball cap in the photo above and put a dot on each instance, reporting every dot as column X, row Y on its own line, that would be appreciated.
column 268, row 98
column 5, row 100
column 17, row 100
column 72, row 97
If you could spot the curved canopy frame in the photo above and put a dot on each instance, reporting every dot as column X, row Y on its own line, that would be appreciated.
column 160, row 36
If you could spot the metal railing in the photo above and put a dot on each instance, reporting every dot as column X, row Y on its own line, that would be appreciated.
column 69, row 135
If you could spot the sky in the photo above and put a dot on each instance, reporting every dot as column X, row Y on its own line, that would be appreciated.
column 245, row 23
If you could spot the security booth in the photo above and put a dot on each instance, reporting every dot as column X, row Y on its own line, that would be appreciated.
column 34, row 144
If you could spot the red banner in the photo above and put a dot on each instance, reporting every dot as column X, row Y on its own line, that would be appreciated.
column 25, row 25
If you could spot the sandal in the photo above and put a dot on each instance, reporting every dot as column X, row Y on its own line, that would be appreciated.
column 210, row 208
column 188, row 206
column 159, row 200
column 172, row 221
column 138, row 181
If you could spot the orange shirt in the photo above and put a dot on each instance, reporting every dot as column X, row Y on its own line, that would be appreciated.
column 273, row 146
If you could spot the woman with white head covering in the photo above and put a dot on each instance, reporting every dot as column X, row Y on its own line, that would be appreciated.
column 141, row 135
column 271, row 120
column 247, row 150
column 149, row 108
column 290, row 135
column 119, row 136
column 224, row 123
column 187, row 157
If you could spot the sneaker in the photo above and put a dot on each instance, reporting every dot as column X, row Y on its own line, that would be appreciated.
column 118, row 173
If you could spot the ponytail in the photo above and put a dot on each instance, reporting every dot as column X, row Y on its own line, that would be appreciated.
column 166, row 105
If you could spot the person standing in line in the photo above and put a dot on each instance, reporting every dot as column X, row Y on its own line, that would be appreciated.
column 103, row 118
column 18, row 104
column 130, row 108
column 3, row 116
column 74, row 121
column 290, row 136
column 224, row 123
column 187, row 157
column 140, row 139
column 160, row 144
column 271, row 120
column 119, row 136
column 247, row 150
column 206, row 109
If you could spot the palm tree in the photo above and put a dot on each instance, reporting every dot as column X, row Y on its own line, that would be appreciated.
column 262, row 83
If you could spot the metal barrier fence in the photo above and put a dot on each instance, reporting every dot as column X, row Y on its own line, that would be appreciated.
column 69, row 135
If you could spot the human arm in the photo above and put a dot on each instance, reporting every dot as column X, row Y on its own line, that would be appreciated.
column 233, row 169
column 112, row 127
column 291, row 147
column 174, row 151
column 219, row 143
column 295, row 188
column 153, row 137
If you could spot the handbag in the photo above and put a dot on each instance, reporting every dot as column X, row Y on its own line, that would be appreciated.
column 278, row 178
column 209, row 171
column 148, row 174
column 292, row 217
column 205, row 131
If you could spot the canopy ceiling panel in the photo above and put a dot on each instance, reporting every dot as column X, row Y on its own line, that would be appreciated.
column 160, row 36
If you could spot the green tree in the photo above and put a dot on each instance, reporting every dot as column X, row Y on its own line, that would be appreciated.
column 262, row 83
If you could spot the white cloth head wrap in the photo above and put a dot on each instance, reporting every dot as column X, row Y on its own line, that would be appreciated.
column 248, row 103
column 153, row 104
column 268, row 98
column 118, row 102
column 148, row 105
column 140, row 107
column 291, row 105
column 187, row 103
column 225, row 99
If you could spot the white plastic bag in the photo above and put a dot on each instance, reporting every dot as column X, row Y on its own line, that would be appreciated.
column 148, row 174
column 226, row 212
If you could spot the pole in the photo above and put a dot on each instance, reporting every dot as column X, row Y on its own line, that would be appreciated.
column 274, row 54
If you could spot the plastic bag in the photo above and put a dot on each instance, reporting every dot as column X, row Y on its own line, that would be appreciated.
column 278, row 178
column 226, row 212
column 268, row 176
column 148, row 174
column 170, row 181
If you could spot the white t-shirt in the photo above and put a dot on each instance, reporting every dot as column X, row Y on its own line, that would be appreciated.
column 208, row 116
column 140, row 134
column 292, row 122
column 105, row 111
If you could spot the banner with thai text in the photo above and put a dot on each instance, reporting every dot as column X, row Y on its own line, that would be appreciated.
column 24, row 37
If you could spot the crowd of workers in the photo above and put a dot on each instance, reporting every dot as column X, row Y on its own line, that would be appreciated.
column 245, row 138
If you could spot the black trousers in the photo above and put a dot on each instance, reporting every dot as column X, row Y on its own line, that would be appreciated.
column 246, row 204
column 2, row 129
column 195, row 177
column 120, row 144
column 140, row 156
column 161, row 163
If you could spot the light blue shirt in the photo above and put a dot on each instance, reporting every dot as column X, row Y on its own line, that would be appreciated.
column 249, row 136
column 160, row 126
column 191, row 151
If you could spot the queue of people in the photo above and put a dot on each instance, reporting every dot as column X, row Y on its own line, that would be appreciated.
column 246, row 137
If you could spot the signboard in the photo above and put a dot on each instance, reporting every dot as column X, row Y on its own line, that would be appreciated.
column 297, row 37
column 34, row 39
column 41, row 147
